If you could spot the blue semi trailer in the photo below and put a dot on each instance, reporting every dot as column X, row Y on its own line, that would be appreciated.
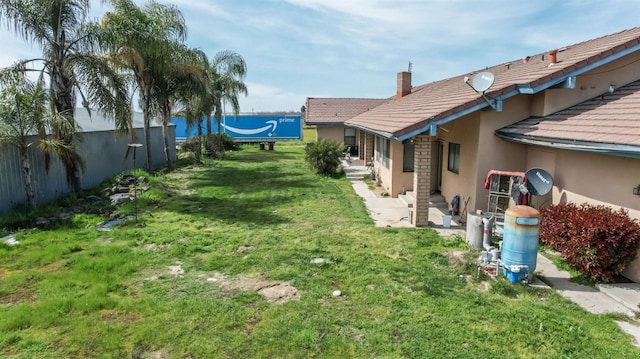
column 249, row 128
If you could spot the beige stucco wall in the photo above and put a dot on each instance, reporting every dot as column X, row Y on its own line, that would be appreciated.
column 493, row 152
column 481, row 150
column 331, row 133
column 582, row 177
column 393, row 179
column 463, row 131
column 399, row 179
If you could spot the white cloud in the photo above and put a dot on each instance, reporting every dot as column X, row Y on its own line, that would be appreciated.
column 204, row 8
column 300, row 48
column 264, row 97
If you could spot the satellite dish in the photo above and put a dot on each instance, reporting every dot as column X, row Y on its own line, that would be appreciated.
column 539, row 181
column 482, row 81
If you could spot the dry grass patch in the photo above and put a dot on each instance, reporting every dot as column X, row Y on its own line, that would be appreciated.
column 275, row 292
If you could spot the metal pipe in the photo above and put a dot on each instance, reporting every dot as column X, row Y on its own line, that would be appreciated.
column 486, row 239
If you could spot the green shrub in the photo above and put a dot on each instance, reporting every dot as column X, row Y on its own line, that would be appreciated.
column 190, row 144
column 324, row 156
column 595, row 240
column 215, row 144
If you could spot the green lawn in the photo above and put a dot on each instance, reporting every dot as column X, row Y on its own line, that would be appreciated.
column 181, row 282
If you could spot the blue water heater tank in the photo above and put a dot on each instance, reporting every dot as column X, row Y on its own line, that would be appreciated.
column 520, row 242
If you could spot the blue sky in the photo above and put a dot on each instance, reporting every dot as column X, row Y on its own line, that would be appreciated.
column 353, row 48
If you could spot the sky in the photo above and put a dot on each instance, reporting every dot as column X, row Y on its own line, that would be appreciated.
column 296, row 49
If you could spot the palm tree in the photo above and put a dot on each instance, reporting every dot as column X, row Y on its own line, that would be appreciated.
column 191, row 109
column 70, row 62
column 226, row 74
column 138, row 39
column 181, row 73
column 25, row 111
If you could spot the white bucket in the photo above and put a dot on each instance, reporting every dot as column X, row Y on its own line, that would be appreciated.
column 446, row 221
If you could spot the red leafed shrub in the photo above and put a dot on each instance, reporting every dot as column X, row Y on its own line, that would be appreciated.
column 595, row 240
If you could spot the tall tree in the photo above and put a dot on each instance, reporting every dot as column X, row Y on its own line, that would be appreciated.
column 138, row 39
column 70, row 62
column 226, row 76
column 182, row 72
column 189, row 107
column 25, row 111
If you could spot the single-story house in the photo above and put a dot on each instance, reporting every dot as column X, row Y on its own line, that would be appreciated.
column 329, row 115
column 572, row 111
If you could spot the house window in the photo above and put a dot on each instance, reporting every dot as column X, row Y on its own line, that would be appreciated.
column 408, row 156
column 382, row 151
column 454, row 157
column 349, row 136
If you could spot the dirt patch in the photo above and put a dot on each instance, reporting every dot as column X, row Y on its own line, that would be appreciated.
column 456, row 258
column 54, row 266
column 272, row 291
column 176, row 270
column 20, row 295
column 4, row 273
column 156, row 247
column 243, row 249
column 276, row 292
column 158, row 354
column 112, row 315
column 380, row 192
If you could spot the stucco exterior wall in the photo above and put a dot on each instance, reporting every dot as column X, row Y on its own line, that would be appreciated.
column 598, row 179
column 582, row 177
column 330, row 133
column 399, row 178
column 463, row 131
column 493, row 152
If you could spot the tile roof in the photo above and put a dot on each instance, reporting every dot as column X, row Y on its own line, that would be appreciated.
column 435, row 101
column 611, row 119
column 337, row 110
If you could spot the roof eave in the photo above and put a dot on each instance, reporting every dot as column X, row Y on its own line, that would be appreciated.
column 311, row 123
column 573, row 145
column 386, row 135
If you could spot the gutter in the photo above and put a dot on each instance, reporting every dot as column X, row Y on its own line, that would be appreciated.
column 431, row 127
column 325, row 123
column 573, row 145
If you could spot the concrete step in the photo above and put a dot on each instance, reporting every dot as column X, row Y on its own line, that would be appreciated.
column 437, row 200
column 434, row 200
column 406, row 199
column 356, row 174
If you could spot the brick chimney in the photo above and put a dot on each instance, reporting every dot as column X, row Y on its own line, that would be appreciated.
column 404, row 84
column 553, row 57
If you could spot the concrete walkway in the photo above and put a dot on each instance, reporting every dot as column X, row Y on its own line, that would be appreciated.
column 623, row 298
column 605, row 298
